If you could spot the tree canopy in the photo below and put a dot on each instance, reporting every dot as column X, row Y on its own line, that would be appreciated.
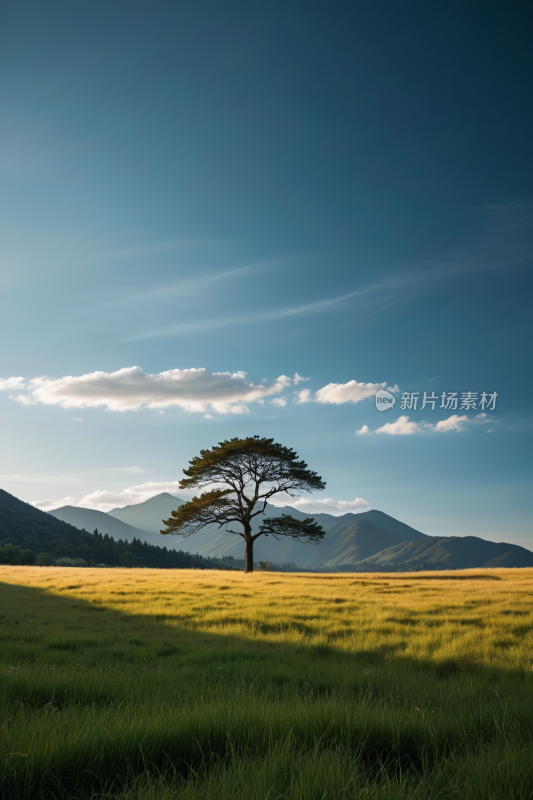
column 240, row 476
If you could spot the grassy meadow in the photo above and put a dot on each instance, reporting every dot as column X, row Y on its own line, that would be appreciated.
column 156, row 684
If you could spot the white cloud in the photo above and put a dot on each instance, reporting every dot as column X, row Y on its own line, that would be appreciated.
column 78, row 419
column 351, row 392
column 22, row 398
column 102, row 500
column 49, row 505
column 130, row 388
column 453, row 423
column 279, row 401
column 11, row 383
column 403, row 426
column 326, row 506
column 304, row 396
column 239, row 408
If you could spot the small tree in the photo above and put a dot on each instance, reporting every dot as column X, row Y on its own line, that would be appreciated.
column 251, row 471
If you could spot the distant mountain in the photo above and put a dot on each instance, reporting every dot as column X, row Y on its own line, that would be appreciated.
column 350, row 543
column 452, row 552
column 89, row 519
column 399, row 529
column 368, row 541
column 149, row 515
column 349, row 538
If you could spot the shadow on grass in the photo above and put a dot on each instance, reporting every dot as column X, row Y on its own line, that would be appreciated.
column 52, row 623
column 217, row 696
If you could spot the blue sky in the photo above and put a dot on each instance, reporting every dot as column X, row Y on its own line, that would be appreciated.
column 341, row 192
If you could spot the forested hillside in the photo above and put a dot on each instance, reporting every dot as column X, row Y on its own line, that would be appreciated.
column 29, row 536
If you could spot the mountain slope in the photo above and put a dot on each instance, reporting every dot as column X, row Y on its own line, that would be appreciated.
column 149, row 515
column 348, row 539
column 399, row 529
column 348, row 544
column 89, row 519
column 453, row 552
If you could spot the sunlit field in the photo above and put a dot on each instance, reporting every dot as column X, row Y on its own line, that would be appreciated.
column 205, row 684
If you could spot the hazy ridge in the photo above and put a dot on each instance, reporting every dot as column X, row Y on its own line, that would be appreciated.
column 369, row 540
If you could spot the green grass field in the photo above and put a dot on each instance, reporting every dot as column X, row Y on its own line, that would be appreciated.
column 164, row 684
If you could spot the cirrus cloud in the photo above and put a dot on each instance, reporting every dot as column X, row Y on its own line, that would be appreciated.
column 130, row 389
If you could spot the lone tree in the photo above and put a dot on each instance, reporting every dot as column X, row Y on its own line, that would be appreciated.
column 251, row 471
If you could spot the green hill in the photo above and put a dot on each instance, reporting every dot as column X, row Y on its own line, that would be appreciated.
column 31, row 536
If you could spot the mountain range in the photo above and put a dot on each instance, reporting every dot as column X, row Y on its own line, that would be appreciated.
column 368, row 541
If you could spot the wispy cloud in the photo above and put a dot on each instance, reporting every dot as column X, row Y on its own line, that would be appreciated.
column 199, row 283
column 247, row 319
column 390, row 291
column 58, row 251
column 510, row 216
column 154, row 248
column 77, row 477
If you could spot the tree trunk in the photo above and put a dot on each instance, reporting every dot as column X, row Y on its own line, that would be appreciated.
column 249, row 555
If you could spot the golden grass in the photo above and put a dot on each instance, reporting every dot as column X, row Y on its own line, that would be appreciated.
column 471, row 616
